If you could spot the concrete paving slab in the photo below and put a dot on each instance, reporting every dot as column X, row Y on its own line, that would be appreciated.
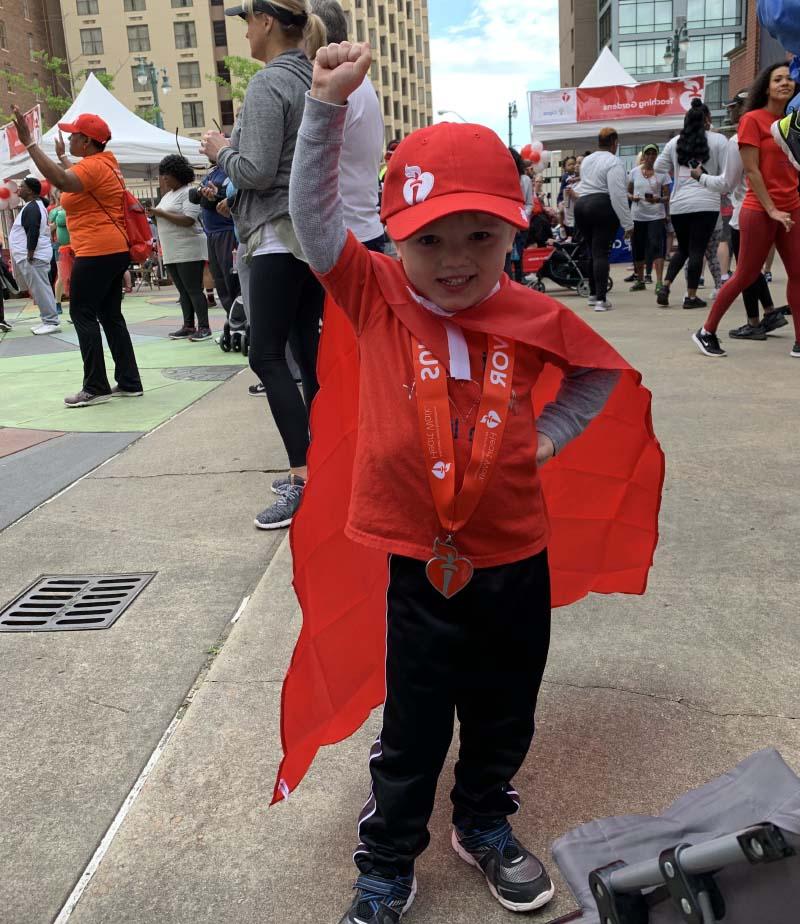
column 34, row 346
column 13, row 440
column 35, row 474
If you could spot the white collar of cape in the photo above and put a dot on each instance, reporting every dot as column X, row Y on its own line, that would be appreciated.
column 456, row 341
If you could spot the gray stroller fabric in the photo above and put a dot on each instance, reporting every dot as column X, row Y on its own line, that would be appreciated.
column 761, row 789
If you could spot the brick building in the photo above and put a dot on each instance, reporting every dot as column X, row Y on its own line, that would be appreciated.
column 28, row 26
column 756, row 50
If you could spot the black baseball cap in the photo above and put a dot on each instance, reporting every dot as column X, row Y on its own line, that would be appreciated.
column 739, row 100
column 287, row 17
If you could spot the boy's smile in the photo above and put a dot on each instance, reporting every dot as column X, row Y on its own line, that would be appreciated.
column 458, row 260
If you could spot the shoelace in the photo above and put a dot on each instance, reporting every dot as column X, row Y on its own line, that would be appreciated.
column 374, row 890
column 499, row 838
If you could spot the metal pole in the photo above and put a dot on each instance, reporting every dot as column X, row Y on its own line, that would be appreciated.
column 510, row 131
column 676, row 53
column 154, row 87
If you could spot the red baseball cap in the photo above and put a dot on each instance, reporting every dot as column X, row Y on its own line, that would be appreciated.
column 447, row 168
column 90, row 125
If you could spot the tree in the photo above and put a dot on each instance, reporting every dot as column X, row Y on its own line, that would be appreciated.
column 59, row 96
column 241, row 72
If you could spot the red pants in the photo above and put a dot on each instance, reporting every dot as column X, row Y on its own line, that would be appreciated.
column 758, row 233
column 66, row 259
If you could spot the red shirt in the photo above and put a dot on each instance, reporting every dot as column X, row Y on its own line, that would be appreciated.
column 780, row 176
column 391, row 507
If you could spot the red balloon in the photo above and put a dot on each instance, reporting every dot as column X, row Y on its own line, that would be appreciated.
column 534, row 157
column 525, row 153
column 5, row 192
column 46, row 187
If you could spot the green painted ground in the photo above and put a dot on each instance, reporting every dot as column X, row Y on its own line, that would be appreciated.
column 33, row 387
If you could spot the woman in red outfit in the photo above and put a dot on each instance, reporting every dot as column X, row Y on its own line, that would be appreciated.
column 771, row 209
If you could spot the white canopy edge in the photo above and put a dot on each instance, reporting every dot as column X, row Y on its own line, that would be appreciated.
column 580, row 135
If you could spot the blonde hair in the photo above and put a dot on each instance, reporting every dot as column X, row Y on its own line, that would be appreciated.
column 313, row 35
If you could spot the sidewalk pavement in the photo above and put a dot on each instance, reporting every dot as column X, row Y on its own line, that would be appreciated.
column 643, row 698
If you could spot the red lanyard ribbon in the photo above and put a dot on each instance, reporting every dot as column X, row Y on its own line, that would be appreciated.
column 433, row 407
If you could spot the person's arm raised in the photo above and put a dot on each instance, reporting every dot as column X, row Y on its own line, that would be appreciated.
column 314, row 201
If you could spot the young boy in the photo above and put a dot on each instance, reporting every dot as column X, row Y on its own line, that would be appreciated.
column 446, row 481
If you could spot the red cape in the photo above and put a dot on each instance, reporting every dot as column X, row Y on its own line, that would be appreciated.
column 603, row 494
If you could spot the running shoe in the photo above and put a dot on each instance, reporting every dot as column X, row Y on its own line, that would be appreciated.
column 202, row 333
column 659, row 287
column 45, row 329
column 603, row 305
column 281, row 512
column 117, row 392
column 708, row 344
column 5, row 327
column 772, row 320
column 592, row 301
column 748, row 332
column 662, row 298
column 183, row 333
column 768, row 276
column 796, row 350
column 515, row 877
column 638, row 286
column 786, row 132
column 279, row 485
column 648, row 279
column 694, row 302
column 85, row 399
column 257, row 391
column 380, row 901
column 785, row 310
column 631, row 278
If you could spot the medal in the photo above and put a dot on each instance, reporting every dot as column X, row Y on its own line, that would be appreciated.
column 448, row 571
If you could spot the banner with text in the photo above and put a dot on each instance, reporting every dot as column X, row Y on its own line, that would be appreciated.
column 10, row 145
column 649, row 99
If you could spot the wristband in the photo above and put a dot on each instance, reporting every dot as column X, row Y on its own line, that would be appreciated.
column 31, row 145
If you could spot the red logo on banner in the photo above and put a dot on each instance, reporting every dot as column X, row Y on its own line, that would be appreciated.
column 642, row 100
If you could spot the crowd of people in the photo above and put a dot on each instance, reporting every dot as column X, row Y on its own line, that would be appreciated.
column 696, row 206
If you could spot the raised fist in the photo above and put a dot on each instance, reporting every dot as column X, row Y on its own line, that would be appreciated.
column 339, row 70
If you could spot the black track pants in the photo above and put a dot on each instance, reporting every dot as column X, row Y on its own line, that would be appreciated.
column 597, row 221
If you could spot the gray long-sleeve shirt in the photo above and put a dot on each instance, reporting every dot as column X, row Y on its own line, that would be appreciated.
column 316, row 210
column 259, row 159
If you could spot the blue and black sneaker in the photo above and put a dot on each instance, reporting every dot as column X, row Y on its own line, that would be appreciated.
column 381, row 901
column 786, row 132
column 516, row 878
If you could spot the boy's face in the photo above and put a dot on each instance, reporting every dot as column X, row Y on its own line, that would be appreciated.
column 457, row 261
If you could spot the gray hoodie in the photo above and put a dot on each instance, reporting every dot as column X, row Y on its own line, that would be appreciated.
column 259, row 159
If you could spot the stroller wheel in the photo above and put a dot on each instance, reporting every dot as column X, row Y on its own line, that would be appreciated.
column 583, row 288
column 225, row 340
column 539, row 286
column 245, row 344
column 610, row 285
column 237, row 342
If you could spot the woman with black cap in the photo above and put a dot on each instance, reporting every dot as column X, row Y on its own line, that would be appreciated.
column 285, row 297
column 92, row 194
column 648, row 192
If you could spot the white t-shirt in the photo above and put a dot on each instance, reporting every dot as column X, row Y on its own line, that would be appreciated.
column 18, row 239
column 179, row 244
column 360, row 162
column 642, row 185
column 732, row 181
column 687, row 194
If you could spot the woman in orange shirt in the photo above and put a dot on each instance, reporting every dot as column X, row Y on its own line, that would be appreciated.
column 92, row 198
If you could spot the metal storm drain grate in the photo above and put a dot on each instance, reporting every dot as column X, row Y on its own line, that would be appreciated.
column 78, row 601
column 201, row 373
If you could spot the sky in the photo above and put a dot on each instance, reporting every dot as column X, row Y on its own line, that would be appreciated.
column 487, row 54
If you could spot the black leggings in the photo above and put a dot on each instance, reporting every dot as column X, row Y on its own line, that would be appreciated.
column 286, row 306
column 693, row 231
column 758, row 291
column 188, row 279
column 597, row 221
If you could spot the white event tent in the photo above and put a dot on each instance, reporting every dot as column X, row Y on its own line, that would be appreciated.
column 606, row 72
column 137, row 145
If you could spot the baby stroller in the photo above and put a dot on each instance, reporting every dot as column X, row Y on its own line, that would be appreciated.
column 567, row 265
column 236, row 333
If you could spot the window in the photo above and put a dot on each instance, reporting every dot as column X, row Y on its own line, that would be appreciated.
column 193, row 116
column 26, row 9
column 705, row 13
column 220, row 35
column 91, row 41
column 3, row 36
column 87, row 7
column 178, row 4
column 644, row 16
column 145, row 111
column 716, row 92
column 97, row 71
column 226, row 111
column 188, row 75
column 185, row 35
column 708, row 51
column 31, row 48
column 138, row 38
column 217, row 2
column 223, row 72
column 135, row 6
column 645, row 57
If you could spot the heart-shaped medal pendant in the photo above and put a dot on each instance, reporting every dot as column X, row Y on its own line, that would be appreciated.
column 448, row 571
